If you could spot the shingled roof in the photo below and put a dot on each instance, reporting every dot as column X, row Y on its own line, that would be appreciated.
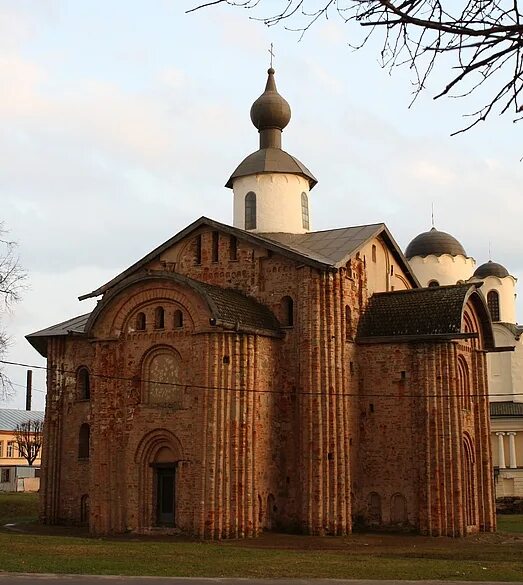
column 498, row 409
column 229, row 308
column 326, row 250
column 432, row 313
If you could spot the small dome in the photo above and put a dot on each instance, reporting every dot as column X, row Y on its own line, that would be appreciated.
column 491, row 269
column 270, row 110
column 434, row 242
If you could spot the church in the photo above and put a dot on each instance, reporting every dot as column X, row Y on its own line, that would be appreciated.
column 265, row 376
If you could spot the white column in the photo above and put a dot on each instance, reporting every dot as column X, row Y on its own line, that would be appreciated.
column 512, row 450
column 501, row 451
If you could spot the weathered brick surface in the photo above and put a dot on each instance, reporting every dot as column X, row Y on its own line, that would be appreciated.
column 294, row 432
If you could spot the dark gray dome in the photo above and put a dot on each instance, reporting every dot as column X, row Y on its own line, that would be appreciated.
column 491, row 269
column 270, row 110
column 434, row 242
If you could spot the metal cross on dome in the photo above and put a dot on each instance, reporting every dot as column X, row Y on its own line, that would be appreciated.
column 271, row 52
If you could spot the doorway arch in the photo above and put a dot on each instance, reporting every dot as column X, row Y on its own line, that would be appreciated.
column 157, row 461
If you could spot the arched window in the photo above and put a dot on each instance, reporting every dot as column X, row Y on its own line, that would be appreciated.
column 140, row 322
column 465, row 399
column 348, row 324
column 287, row 305
column 159, row 318
column 250, row 211
column 83, row 384
column 84, row 510
column 493, row 304
column 178, row 318
column 84, row 437
column 305, row 211
column 433, row 283
column 374, row 508
column 469, row 477
column 398, row 509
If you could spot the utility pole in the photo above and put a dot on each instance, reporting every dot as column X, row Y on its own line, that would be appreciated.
column 29, row 390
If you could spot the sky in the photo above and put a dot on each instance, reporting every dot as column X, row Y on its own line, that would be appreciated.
column 121, row 121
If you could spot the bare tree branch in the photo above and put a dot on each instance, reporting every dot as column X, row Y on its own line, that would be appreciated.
column 12, row 283
column 485, row 37
column 28, row 436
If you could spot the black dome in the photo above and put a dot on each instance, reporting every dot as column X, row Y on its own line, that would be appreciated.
column 434, row 242
column 491, row 269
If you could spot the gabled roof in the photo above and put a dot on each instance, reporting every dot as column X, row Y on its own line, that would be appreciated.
column 10, row 418
column 506, row 408
column 334, row 247
column 433, row 313
column 326, row 250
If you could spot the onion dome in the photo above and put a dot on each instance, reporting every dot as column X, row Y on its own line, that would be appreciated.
column 491, row 269
column 270, row 110
column 436, row 243
column 270, row 114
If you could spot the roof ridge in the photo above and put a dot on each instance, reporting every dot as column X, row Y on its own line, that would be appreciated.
column 348, row 227
column 424, row 289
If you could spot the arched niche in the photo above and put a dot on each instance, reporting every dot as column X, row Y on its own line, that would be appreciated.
column 161, row 374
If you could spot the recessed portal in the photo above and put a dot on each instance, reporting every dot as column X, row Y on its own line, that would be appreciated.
column 166, row 495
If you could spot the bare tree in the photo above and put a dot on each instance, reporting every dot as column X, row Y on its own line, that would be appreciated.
column 483, row 39
column 29, row 436
column 12, row 282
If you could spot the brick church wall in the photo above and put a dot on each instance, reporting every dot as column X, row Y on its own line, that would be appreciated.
column 308, row 431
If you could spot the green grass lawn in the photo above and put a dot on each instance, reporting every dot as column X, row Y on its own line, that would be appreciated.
column 18, row 507
column 510, row 523
column 479, row 558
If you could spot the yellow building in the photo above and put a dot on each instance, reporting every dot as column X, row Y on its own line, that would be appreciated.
column 15, row 472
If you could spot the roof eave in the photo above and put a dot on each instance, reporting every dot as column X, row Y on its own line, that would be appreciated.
column 436, row 338
column 310, row 178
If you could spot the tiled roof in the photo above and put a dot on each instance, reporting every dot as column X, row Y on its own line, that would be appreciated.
column 233, row 307
column 10, row 418
column 229, row 308
column 506, row 409
column 433, row 311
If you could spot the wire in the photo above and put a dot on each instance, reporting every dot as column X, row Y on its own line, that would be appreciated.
column 25, row 386
column 136, row 380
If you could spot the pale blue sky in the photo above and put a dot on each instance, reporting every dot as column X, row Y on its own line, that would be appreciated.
column 120, row 122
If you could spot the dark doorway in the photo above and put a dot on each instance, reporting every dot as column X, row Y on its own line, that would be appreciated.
column 165, row 495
